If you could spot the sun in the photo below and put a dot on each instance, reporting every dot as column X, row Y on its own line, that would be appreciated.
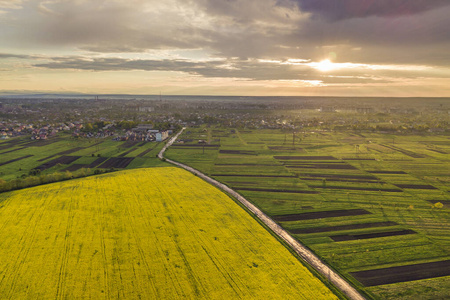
column 325, row 65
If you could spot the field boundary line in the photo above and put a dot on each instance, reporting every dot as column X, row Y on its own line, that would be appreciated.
column 300, row 249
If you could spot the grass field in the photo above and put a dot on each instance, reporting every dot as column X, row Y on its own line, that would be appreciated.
column 158, row 233
column 305, row 185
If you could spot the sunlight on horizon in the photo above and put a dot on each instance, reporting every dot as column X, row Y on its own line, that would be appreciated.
column 326, row 65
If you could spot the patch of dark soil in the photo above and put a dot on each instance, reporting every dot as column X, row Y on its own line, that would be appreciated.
column 416, row 186
column 13, row 160
column 387, row 172
column 304, row 157
column 352, row 237
column 342, row 227
column 321, row 215
column 403, row 273
column 278, row 191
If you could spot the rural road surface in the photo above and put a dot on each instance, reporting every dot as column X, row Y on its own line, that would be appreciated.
column 301, row 250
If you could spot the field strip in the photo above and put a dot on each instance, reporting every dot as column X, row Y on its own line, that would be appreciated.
column 304, row 253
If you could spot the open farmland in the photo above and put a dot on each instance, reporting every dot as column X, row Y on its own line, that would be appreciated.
column 20, row 156
column 361, row 202
column 158, row 233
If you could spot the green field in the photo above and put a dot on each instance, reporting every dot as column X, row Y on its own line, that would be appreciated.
column 158, row 233
column 394, row 179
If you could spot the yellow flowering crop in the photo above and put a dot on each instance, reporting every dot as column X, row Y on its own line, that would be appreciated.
column 158, row 233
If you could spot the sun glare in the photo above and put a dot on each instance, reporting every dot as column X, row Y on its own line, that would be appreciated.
column 325, row 66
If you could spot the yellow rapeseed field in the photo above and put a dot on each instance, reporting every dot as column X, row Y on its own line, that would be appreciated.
column 157, row 233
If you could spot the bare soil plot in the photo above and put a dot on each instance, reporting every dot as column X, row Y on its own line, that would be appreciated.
column 41, row 143
column 242, row 152
column 343, row 227
column 358, row 158
column 129, row 144
column 74, row 167
column 63, row 153
column 96, row 162
column 116, row 162
column 126, row 152
column 303, row 157
column 282, row 148
column 278, row 190
column 387, row 172
column 14, row 150
column 342, row 176
column 321, row 214
column 352, row 237
column 254, row 175
column 403, row 273
column 416, row 186
column 342, row 180
column 13, row 160
column 356, row 188
column 255, row 165
column 340, row 166
column 195, row 146
column 64, row 160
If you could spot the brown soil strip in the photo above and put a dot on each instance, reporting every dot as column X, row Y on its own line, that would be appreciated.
column 321, row 215
column 74, row 167
column 278, row 191
column 352, row 237
column 195, row 146
column 254, row 165
column 64, row 160
column 14, row 150
column 323, row 166
column 41, row 143
column 96, row 162
column 387, row 172
column 116, row 162
column 147, row 151
column 254, row 175
column 341, row 180
column 355, row 188
column 63, row 153
column 342, row 176
column 416, row 186
column 129, row 144
column 342, row 227
column 13, row 160
column 358, row 158
column 306, row 157
column 283, row 148
column 403, row 273
column 126, row 152
column 243, row 152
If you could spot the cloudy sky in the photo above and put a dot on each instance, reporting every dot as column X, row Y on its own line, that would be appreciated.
column 226, row 47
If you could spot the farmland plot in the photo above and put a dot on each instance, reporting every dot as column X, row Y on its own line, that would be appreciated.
column 400, row 182
column 157, row 233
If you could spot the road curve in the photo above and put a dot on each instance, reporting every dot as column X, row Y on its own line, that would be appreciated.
column 301, row 250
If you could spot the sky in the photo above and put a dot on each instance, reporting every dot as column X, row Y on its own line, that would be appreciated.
column 383, row 48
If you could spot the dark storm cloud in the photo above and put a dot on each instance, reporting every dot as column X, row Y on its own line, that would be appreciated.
column 347, row 9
